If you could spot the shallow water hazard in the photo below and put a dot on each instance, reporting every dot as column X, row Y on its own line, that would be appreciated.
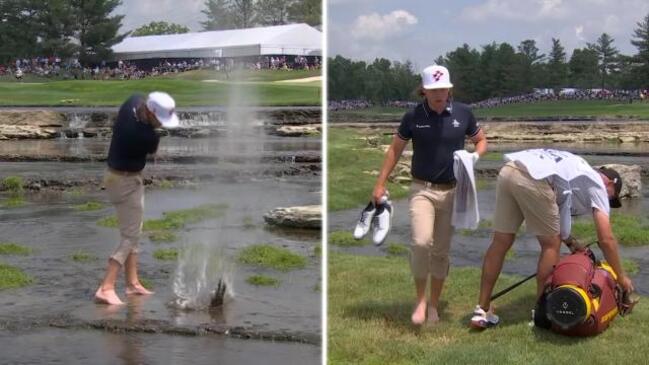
column 280, row 324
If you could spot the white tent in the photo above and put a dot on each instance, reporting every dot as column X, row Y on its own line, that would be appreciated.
column 291, row 39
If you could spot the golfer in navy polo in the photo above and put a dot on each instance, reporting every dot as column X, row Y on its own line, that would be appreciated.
column 437, row 127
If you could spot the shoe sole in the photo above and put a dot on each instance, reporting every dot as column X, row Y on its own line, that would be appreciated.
column 481, row 325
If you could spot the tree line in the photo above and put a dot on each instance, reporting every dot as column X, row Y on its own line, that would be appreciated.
column 87, row 29
column 499, row 69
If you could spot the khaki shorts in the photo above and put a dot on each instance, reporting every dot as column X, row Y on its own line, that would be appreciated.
column 431, row 210
column 520, row 197
column 126, row 192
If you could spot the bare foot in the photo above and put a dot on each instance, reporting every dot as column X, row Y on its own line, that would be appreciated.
column 419, row 315
column 137, row 289
column 107, row 296
column 433, row 317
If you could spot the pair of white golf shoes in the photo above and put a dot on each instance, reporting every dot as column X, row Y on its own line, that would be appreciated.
column 376, row 218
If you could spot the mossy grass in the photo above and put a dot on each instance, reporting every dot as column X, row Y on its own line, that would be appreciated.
column 89, row 206
column 166, row 254
column 13, row 277
column 165, row 184
column 397, row 249
column 269, row 256
column 13, row 184
column 177, row 219
column 317, row 250
column 262, row 280
column 345, row 239
column 162, row 236
column 371, row 300
column 14, row 200
column 630, row 230
column 108, row 222
column 349, row 184
column 11, row 248
column 82, row 256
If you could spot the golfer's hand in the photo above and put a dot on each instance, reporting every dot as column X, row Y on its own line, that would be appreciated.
column 475, row 156
column 626, row 284
column 573, row 244
column 377, row 194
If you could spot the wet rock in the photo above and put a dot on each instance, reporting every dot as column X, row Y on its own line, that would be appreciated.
column 218, row 296
column 296, row 217
column 35, row 118
column 70, row 133
column 631, row 180
column 191, row 132
column 27, row 132
column 627, row 139
column 296, row 131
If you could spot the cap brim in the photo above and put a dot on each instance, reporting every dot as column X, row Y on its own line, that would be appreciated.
column 615, row 203
column 437, row 86
column 171, row 122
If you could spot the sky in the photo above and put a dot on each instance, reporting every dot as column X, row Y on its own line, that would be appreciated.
column 140, row 12
column 420, row 31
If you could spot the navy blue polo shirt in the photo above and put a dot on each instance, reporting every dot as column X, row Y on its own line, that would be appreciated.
column 435, row 137
column 132, row 140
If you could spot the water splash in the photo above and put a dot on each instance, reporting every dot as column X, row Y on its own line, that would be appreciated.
column 203, row 277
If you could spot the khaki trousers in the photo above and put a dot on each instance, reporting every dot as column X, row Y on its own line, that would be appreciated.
column 431, row 210
column 126, row 192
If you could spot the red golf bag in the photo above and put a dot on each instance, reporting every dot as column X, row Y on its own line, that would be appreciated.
column 581, row 296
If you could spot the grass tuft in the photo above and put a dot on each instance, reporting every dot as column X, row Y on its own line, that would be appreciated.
column 10, row 248
column 81, row 256
column 89, row 206
column 629, row 230
column 166, row 254
column 397, row 249
column 13, row 184
column 162, row 236
column 269, row 256
column 262, row 280
column 345, row 239
column 13, row 277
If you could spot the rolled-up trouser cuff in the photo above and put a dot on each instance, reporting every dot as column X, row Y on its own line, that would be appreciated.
column 125, row 248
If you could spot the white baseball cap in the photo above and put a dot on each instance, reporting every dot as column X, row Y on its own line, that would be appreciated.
column 436, row 77
column 164, row 107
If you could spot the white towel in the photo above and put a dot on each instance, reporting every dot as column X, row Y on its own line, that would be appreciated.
column 465, row 206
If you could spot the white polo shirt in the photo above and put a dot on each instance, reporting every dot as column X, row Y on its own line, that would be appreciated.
column 578, row 187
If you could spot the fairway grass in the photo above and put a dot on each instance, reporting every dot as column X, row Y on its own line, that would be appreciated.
column 185, row 92
column 370, row 303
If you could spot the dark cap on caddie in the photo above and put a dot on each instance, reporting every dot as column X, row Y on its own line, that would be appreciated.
column 614, row 202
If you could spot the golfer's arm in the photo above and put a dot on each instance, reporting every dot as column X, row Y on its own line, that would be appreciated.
column 607, row 242
column 480, row 142
column 391, row 157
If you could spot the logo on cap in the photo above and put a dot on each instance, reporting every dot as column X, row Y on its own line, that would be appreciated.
column 438, row 75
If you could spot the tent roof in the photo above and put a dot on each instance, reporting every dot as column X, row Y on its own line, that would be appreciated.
column 290, row 36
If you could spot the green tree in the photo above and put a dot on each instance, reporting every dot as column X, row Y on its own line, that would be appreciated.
column 18, row 37
column 530, row 64
column 54, row 28
column 641, row 42
column 157, row 28
column 463, row 64
column 557, row 69
column 243, row 13
column 96, row 29
column 584, row 68
column 306, row 11
column 273, row 12
column 219, row 15
column 606, row 55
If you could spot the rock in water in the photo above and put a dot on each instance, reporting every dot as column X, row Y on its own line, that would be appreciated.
column 308, row 216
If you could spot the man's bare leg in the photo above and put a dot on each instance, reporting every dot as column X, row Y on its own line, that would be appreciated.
column 419, row 314
column 550, row 246
column 133, row 285
column 492, row 265
column 106, row 292
column 436, row 286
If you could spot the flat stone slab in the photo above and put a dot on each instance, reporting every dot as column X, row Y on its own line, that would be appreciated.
column 308, row 216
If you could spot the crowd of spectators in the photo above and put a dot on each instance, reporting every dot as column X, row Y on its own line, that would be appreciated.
column 624, row 96
column 54, row 67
